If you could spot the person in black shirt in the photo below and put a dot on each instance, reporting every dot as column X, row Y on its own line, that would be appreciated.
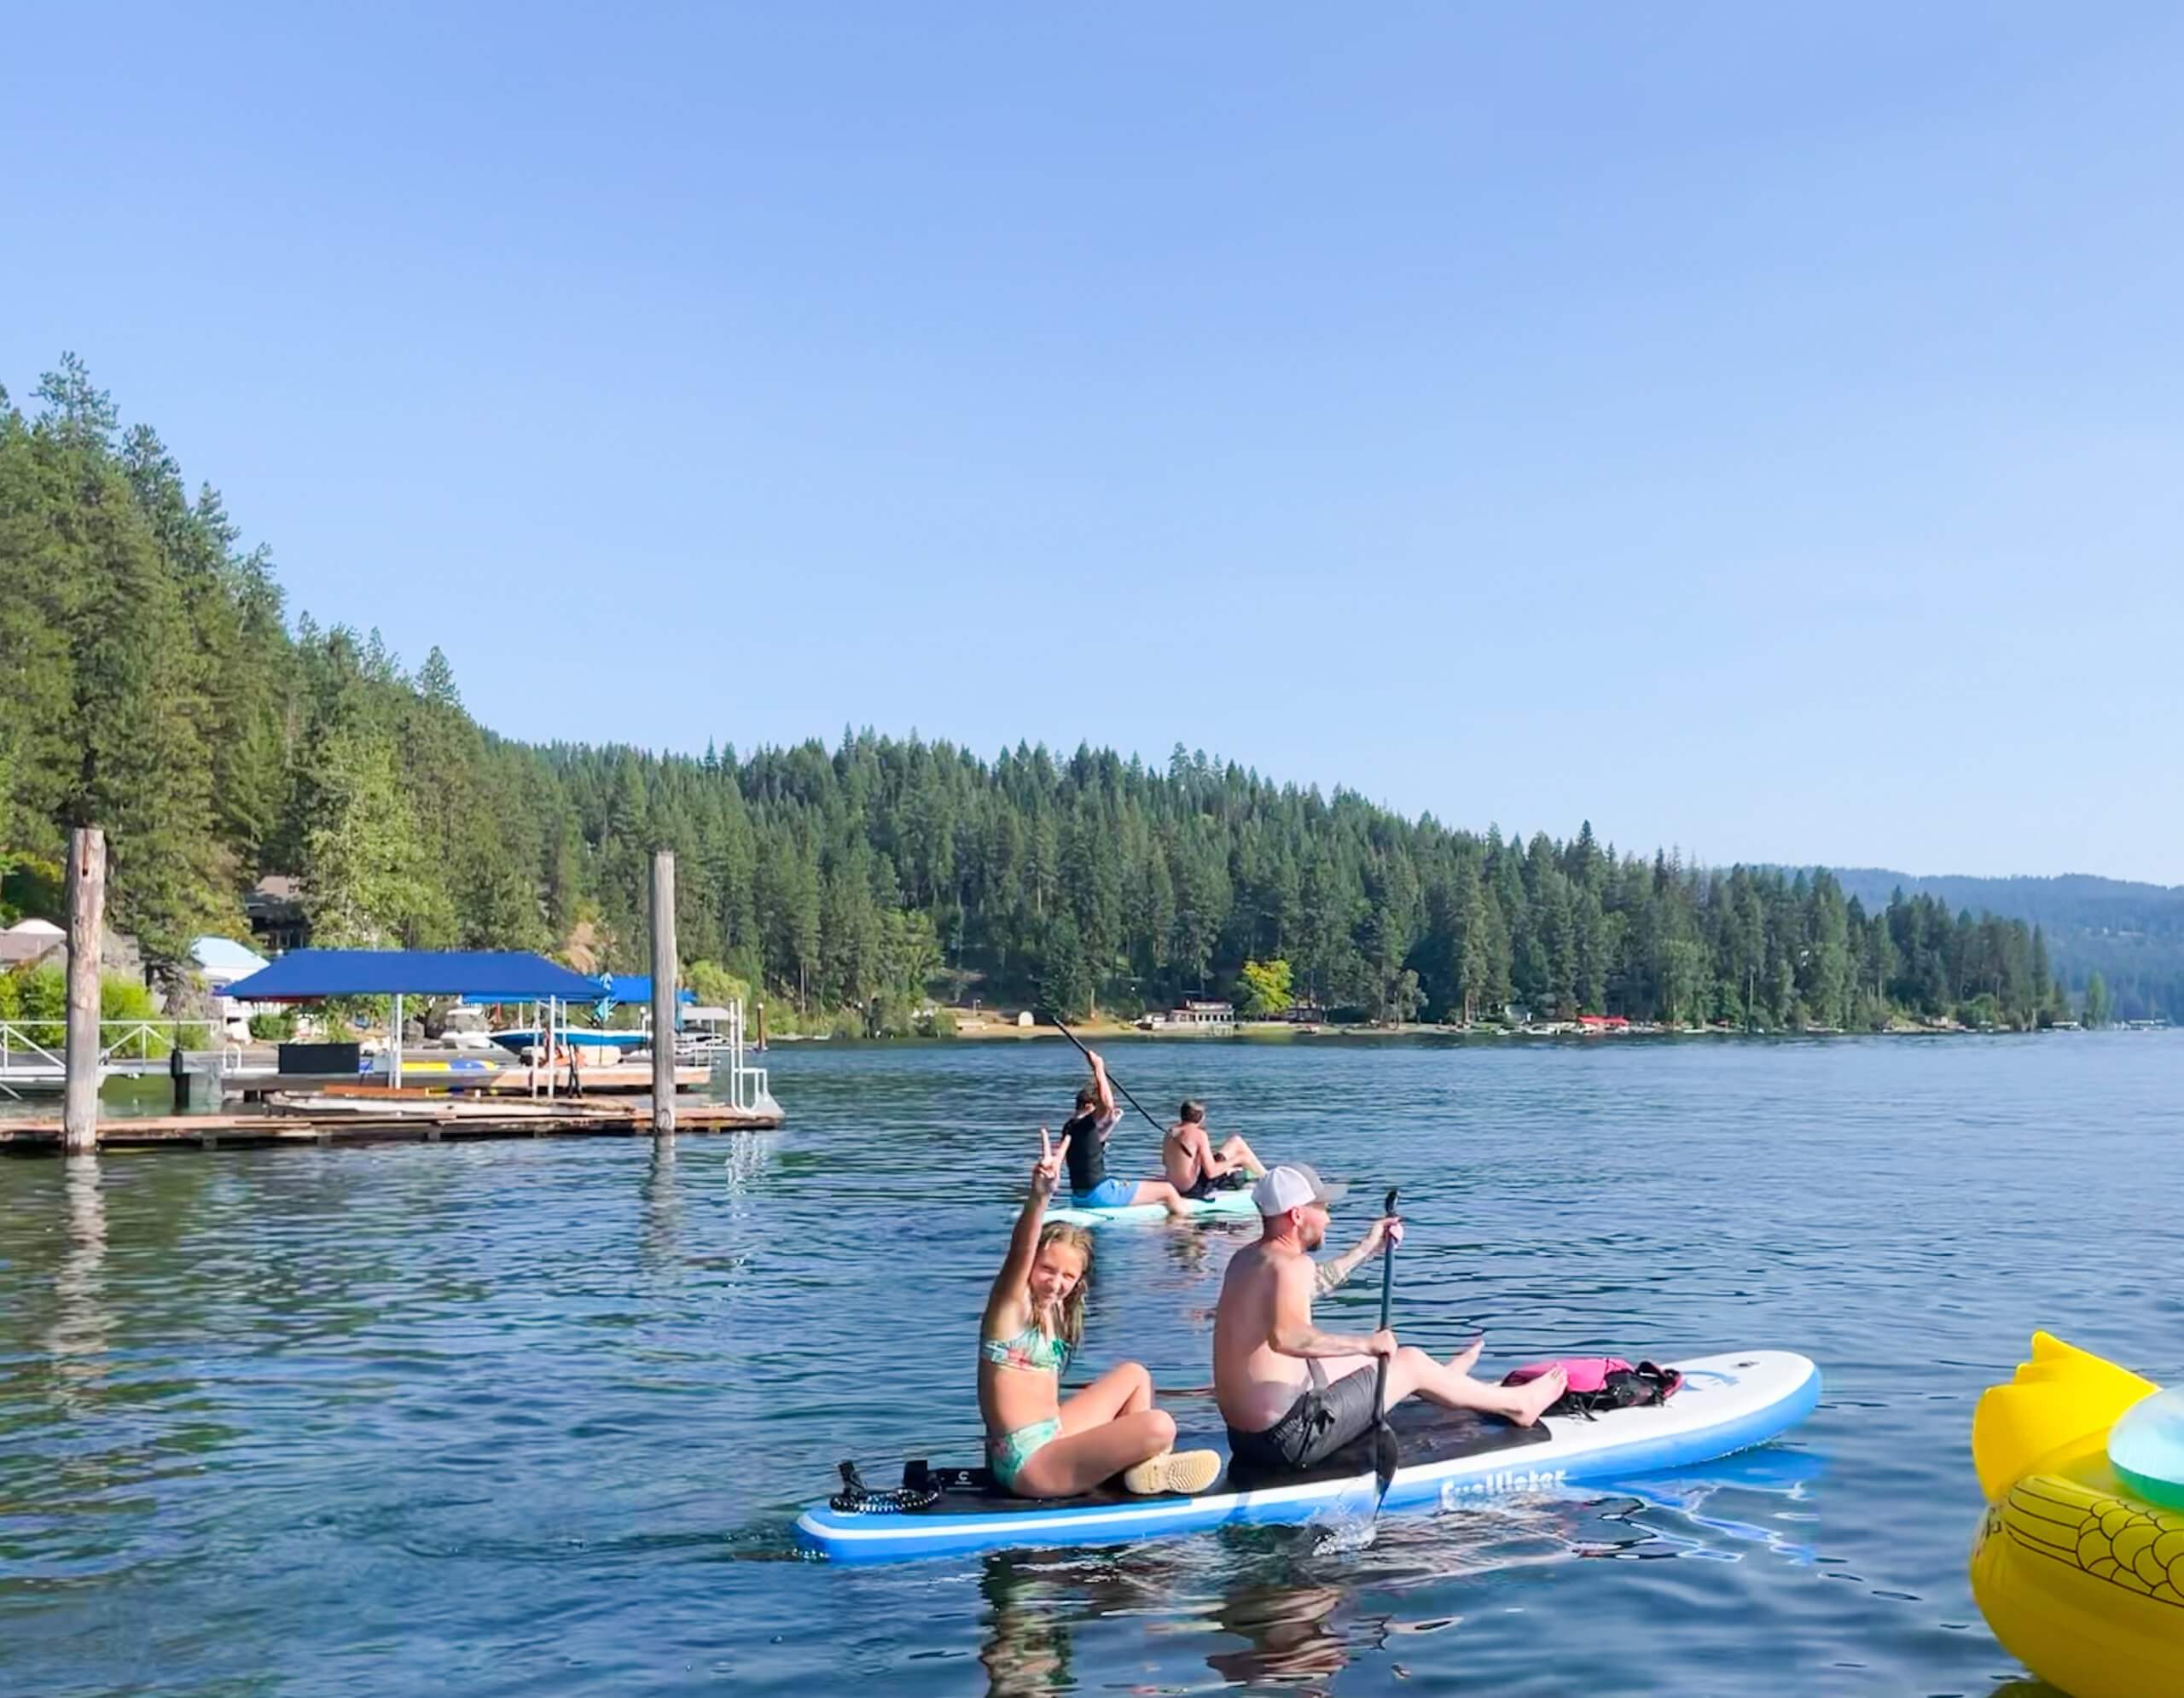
column 1086, row 1131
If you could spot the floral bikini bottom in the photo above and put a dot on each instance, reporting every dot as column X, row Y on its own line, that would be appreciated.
column 1007, row 1455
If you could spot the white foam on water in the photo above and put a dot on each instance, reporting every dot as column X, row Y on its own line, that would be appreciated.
column 1352, row 1523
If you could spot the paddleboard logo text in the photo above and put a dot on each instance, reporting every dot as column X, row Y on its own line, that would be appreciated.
column 1508, row 1479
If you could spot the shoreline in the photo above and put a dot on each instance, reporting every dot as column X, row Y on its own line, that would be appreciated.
column 971, row 1029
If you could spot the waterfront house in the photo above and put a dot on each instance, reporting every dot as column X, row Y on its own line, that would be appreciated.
column 32, row 943
column 275, row 909
column 219, row 962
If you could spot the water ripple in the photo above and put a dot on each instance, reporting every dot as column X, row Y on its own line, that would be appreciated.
column 534, row 1417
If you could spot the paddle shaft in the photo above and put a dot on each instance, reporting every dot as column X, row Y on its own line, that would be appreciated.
column 1385, row 1450
column 1112, row 1079
column 1388, row 1308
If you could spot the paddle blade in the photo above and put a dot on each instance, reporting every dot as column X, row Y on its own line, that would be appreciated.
column 1384, row 1457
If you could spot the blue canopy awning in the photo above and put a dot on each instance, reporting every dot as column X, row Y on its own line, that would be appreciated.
column 483, row 975
column 633, row 988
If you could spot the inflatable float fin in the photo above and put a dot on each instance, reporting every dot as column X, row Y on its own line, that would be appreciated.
column 2064, row 1393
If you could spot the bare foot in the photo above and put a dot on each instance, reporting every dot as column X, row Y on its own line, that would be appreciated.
column 1465, row 1359
column 1535, row 1395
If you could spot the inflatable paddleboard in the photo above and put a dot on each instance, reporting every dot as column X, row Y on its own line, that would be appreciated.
column 1220, row 1203
column 1447, row 1457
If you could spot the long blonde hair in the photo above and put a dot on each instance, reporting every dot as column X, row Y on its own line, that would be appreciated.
column 1069, row 1328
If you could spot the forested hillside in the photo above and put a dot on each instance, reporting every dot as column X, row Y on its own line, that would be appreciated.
column 2131, row 934
column 151, row 682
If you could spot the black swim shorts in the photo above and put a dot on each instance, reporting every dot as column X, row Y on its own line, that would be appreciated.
column 1321, row 1421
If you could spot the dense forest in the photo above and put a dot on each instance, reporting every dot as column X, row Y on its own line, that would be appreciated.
column 2129, row 935
column 152, row 682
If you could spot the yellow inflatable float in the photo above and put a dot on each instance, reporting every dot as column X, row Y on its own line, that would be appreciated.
column 2079, row 1564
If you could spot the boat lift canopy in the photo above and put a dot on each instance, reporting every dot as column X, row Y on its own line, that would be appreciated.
column 308, row 976
column 634, row 988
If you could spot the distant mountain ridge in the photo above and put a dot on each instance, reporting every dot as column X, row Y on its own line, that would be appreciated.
column 2131, row 933
column 2069, row 899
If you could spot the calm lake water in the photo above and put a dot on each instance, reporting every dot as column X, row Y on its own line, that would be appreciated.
column 535, row 1417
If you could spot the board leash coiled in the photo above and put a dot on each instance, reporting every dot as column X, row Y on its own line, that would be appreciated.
column 856, row 1498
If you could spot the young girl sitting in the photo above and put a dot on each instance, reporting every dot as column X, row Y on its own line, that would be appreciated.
column 1038, row 1446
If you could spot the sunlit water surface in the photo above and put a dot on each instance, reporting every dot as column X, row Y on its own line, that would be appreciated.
column 534, row 1417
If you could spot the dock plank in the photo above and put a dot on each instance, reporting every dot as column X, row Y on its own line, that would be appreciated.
column 357, row 1120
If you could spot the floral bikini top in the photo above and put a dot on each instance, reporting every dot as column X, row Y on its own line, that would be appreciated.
column 1034, row 1350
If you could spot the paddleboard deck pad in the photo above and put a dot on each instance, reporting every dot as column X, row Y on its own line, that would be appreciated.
column 1228, row 1203
column 1446, row 1457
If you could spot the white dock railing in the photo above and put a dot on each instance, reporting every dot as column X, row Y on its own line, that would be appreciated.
column 33, row 1053
column 24, row 1060
column 746, row 1084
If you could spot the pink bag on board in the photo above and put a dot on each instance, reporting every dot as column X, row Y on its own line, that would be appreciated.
column 1587, row 1373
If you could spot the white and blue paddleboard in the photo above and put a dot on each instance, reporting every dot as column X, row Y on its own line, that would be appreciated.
column 1448, row 1457
column 1231, row 1203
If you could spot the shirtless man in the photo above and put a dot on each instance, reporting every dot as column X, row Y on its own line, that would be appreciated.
column 1292, row 1395
column 1085, row 1135
column 1193, row 1167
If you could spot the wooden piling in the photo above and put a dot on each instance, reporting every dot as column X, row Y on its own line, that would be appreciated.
column 663, row 991
column 79, row 1116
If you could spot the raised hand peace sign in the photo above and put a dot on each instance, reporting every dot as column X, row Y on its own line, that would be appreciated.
column 1046, row 1171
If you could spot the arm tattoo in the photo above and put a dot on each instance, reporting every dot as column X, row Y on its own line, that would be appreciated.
column 1326, row 1276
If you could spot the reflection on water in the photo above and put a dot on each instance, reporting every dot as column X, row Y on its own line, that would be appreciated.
column 1781, row 1471
column 663, row 1207
column 1034, row 1602
column 748, row 1153
column 1026, row 1648
column 1291, row 1607
column 76, row 1340
column 1198, row 1247
column 1287, row 1639
column 519, row 1417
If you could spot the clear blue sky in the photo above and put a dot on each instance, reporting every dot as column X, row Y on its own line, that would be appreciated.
column 1763, row 434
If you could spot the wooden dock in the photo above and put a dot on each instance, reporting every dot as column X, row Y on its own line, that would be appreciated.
column 512, row 1081
column 614, row 1076
column 363, row 1110
column 387, row 1117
